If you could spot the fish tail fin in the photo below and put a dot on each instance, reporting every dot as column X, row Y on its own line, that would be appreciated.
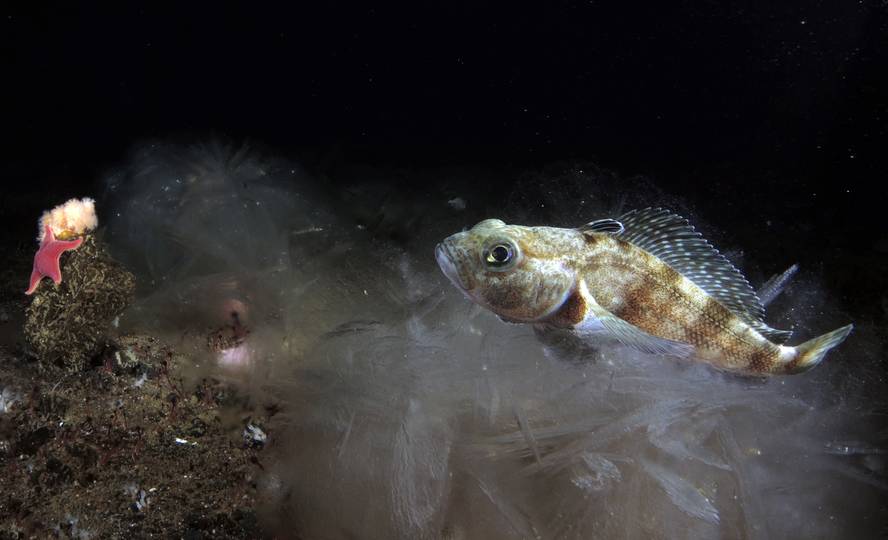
column 812, row 352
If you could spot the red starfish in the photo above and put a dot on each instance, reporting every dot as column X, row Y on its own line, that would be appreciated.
column 46, row 261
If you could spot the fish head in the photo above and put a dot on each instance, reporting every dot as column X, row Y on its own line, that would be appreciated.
column 520, row 273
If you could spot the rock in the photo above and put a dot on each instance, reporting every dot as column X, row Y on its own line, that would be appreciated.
column 67, row 324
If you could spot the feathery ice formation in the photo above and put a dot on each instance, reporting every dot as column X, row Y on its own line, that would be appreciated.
column 407, row 412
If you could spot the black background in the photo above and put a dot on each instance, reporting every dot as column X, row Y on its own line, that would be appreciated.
column 780, row 104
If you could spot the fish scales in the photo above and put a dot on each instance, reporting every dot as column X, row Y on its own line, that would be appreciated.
column 642, row 290
column 647, row 280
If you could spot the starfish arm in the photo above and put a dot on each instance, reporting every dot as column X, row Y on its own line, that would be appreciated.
column 36, row 276
column 46, row 260
column 55, row 248
column 48, row 235
column 59, row 246
column 55, row 274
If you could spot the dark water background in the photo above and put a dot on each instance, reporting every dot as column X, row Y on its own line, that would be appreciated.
column 753, row 113
column 767, row 125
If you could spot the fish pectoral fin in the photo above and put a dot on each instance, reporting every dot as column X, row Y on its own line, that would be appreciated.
column 636, row 338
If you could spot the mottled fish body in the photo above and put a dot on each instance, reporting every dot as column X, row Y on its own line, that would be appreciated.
column 647, row 280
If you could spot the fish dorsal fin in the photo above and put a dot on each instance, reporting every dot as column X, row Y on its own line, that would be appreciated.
column 774, row 286
column 674, row 241
column 610, row 226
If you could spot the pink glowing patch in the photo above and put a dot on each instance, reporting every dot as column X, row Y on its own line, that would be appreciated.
column 235, row 358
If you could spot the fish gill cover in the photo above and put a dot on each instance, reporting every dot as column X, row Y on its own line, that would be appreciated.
column 409, row 412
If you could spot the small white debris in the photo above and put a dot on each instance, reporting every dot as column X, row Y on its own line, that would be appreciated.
column 72, row 531
column 457, row 203
column 140, row 381
column 7, row 398
column 142, row 502
column 180, row 440
column 130, row 356
column 308, row 230
column 254, row 436
column 139, row 496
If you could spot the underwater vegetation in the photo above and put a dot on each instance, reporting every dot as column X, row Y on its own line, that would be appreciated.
column 401, row 409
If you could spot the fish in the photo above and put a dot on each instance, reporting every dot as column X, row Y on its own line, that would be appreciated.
column 647, row 280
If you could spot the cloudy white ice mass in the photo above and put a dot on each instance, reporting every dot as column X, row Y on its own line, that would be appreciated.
column 409, row 412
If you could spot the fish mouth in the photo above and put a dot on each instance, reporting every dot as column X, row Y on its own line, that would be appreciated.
column 444, row 256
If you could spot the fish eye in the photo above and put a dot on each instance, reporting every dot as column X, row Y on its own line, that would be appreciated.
column 499, row 255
